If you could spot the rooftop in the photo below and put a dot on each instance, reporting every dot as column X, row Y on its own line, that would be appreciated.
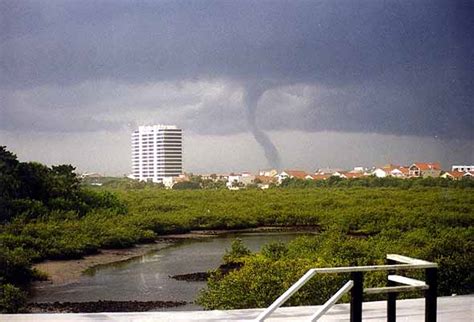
column 156, row 127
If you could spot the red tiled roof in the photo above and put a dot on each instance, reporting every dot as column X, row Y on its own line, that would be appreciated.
column 319, row 176
column 351, row 175
column 427, row 166
column 296, row 173
column 404, row 170
column 455, row 174
column 390, row 167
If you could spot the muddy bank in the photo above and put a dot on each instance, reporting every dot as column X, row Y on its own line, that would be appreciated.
column 61, row 272
column 69, row 271
column 100, row 306
column 266, row 229
column 203, row 276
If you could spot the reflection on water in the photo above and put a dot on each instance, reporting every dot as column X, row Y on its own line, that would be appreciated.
column 147, row 278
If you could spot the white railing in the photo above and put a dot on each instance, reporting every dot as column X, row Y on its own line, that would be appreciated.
column 409, row 284
column 285, row 296
column 333, row 300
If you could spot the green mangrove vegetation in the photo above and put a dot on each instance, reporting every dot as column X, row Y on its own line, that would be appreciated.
column 47, row 213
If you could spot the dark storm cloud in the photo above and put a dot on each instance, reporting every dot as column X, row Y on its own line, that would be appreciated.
column 402, row 67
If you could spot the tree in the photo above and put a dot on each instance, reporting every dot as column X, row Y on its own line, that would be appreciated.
column 36, row 181
column 66, row 182
column 237, row 184
column 185, row 185
column 9, row 183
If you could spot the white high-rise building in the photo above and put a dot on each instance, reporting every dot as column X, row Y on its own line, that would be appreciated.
column 157, row 152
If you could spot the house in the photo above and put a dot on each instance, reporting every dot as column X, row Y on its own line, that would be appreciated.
column 298, row 174
column 90, row 175
column 401, row 172
column 462, row 168
column 268, row 173
column 317, row 176
column 380, row 173
column 469, row 174
column 340, row 174
column 391, row 170
column 329, row 170
column 214, row 177
column 424, row 170
column 169, row 182
column 236, row 181
column 354, row 175
column 264, row 182
column 385, row 171
column 454, row 175
column 457, row 175
column 358, row 170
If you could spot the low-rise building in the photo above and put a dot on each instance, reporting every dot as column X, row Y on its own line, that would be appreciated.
column 391, row 170
column 354, row 175
column 318, row 176
column 359, row 170
column 268, row 173
column 401, row 172
column 214, row 177
column 469, row 174
column 329, row 170
column 169, row 182
column 462, row 168
column 285, row 174
column 239, row 180
column 380, row 173
column 424, row 170
column 90, row 175
column 340, row 174
column 455, row 175
column 264, row 182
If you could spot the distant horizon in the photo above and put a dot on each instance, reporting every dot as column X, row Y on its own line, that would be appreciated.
column 428, row 152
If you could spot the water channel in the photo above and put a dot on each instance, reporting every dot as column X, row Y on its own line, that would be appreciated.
column 147, row 278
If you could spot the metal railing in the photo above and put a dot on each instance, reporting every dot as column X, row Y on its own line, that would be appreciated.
column 355, row 285
column 333, row 300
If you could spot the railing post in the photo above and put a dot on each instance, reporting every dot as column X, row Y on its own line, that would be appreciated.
column 391, row 298
column 357, row 296
column 431, row 277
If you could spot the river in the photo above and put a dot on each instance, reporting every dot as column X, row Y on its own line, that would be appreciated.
column 147, row 278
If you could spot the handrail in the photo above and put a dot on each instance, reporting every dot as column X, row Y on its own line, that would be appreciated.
column 394, row 289
column 405, row 280
column 285, row 296
column 373, row 268
column 403, row 263
column 333, row 300
column 407, row 260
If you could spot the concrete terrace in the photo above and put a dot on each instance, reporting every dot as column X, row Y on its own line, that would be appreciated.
column 452, row 309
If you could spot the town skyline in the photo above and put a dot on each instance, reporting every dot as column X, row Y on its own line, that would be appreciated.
column 199, row 152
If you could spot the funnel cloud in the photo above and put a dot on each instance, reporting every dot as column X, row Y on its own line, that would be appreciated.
column 252, row 95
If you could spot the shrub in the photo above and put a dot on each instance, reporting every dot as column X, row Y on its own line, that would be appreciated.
column 12, row 299
column 236, row 252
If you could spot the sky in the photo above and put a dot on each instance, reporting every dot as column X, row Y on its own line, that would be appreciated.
column 253, row 84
